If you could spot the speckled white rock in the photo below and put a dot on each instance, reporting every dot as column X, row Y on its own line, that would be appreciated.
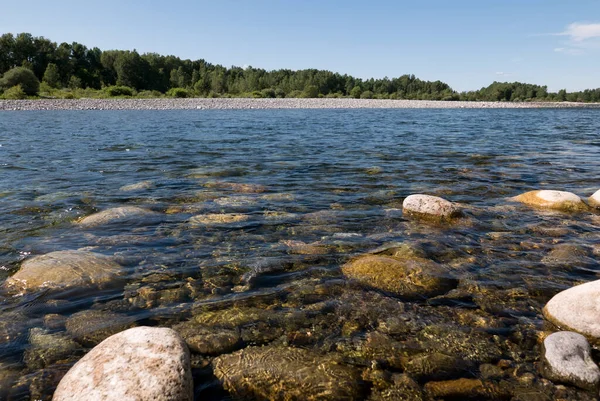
column 114, row 214
column 566, row 358
column 143, row 363
column 428, row 205
column 63, row 269
column 552, row 200
column 577, row 309
column 595, row 199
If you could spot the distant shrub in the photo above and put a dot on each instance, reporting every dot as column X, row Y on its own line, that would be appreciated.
column 335, row 95
column 149, row 94
column 178, row 92
column 356, row 92
column 279, row 93
column 295, row 93
column 212, row 95
column 119, row 91
column 366, row 95
column 268, row 93
column 310, row 91
column 21, row 76
column 67, row 95
column 16, row 92
column 256, row 95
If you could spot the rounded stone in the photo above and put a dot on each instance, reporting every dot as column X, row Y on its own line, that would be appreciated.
column 283, row 373
column 63, row 269
column 577, row 309
column 595, row 199
column 143, row 363
column 560, row 200
column 138, row 186
column 114, row 214
column 429, row 206
column 566, row 358
column 412, row 277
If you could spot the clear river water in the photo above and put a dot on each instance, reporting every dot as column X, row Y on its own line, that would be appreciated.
column 255, row 213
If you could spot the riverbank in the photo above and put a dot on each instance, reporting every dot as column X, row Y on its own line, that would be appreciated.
column 246, row 103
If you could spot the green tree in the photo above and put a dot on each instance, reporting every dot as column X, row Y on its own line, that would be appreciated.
column 356, row 92
column 21, row 76
column 51, row 76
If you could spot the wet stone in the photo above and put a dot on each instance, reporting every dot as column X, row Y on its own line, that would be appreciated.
column 576, row 309
column 117, row 214
column 281, row 373
column 64, row 269
column 559, row 200
column 207, row 340
column 143, row 363
column 138, row 186
column 431, row 207
column 404, row 388
column 47, row 349
column 567, row 358
column 90, row 327
column 411, row 277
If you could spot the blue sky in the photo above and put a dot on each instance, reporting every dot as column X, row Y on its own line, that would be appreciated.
column 468, row 44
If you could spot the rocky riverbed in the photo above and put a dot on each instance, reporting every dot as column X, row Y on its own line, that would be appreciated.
column 244, row 103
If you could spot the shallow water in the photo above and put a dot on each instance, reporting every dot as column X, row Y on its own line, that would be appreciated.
column 321, row 187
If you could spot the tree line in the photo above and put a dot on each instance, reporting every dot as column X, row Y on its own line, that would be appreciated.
column 32, row 66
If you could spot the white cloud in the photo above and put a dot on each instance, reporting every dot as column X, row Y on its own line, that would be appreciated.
column 579, row 32
column 580, row 37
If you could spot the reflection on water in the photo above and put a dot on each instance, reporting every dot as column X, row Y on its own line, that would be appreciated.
column 256, row 211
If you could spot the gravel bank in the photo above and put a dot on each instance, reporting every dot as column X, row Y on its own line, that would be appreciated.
column 243, row 103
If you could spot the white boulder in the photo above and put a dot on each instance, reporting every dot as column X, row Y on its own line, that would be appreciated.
column 566, row 358
column 429, row 206
column 143, row 363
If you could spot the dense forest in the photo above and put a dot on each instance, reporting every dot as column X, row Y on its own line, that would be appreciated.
column 36, row 66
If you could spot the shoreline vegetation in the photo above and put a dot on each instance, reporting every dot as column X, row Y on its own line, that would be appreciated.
column 290, row 103
column 37, row 68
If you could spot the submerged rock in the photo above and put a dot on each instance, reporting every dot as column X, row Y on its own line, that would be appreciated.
column 89, row 327
column 560, row 200
column 114, row 214
column 577, row 309
column 429, row 206
column 46, row 349
column 207, row 340
column 63, row 269
column 143, row 363
column 281, row 373
column 595, row 199
column 412, row 277
column 567, row 358
column 137, row 186
column 217, row 218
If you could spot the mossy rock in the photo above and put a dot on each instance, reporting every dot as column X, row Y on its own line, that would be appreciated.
column 410, row 277
column 283, row 374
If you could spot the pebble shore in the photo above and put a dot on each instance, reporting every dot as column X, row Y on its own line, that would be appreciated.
column 246, row 103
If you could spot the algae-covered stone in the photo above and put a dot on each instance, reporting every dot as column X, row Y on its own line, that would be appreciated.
column 143, row 363
column 403, row 389
column 63, row 269
column 567, row 358
column 122, row 213
column 412, row 277
column 559, row 200
column 429, row 206
column 207, row 340
column 577, row 309
column 217, row 218
column 46, row 349
column 281, row 373
column 138, row 186
column 90, row 327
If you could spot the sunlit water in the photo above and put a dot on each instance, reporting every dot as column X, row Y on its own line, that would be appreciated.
column 332, row 179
